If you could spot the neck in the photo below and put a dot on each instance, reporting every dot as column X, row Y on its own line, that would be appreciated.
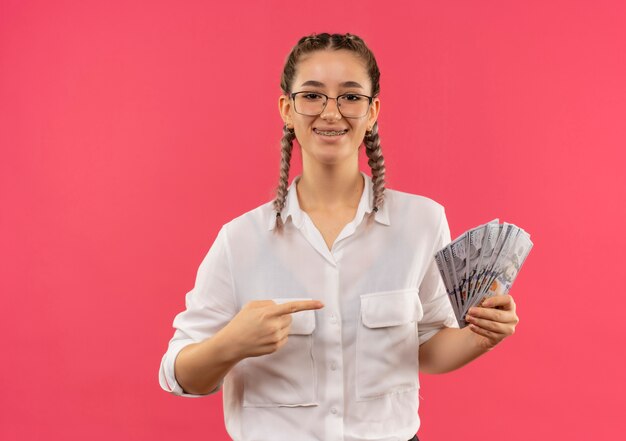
column 330, row 188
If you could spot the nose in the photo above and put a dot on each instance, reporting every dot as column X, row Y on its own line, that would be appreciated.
column 331, row 111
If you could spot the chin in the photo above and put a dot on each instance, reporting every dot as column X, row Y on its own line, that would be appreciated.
column 332, row 158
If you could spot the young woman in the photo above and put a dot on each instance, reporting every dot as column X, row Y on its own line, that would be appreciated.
column 316, row 310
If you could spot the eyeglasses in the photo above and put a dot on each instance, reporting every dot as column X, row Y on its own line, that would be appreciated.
column 350, row 105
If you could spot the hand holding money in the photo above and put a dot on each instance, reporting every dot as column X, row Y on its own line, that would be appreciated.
column 482, row 264
column 494, row 320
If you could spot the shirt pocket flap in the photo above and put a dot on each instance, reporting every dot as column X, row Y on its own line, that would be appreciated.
column 302, row 322
column 390, row 308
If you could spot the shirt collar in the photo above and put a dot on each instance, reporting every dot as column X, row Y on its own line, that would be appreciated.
column 292, row 206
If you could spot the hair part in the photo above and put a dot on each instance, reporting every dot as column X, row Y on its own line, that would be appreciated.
column 307, row 45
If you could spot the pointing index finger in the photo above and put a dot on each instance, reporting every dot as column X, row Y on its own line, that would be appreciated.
column 297, row 305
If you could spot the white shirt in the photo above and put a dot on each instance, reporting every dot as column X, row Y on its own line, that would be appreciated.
column 349, row 371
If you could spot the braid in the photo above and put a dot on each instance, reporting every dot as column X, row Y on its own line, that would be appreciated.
column 285, row 162
column 377, row 164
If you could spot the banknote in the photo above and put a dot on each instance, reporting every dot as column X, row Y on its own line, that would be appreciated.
column 508, row 234
column 439, row 259
column 503, row 233
column 511, row 264
column 480, row 263
column 457, row 248
column 491, row 235
column 447, row 266
column 473, row 246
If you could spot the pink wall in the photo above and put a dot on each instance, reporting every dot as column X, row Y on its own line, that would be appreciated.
column 125, row 147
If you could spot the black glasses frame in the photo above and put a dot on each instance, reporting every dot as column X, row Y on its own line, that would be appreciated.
column 293, row 97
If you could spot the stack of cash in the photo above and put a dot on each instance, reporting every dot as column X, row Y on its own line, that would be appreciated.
column 481, row 263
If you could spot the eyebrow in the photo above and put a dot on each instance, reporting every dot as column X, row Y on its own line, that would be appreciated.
column 344, row 84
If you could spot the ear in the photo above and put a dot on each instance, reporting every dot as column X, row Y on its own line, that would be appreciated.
column 284, row 107
column 373, row 113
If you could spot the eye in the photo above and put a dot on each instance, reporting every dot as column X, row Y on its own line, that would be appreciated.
column 311, row 96
column 352, row 97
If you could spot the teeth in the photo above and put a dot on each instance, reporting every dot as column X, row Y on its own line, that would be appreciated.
column 330, row 132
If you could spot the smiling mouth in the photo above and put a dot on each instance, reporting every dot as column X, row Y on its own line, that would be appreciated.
column 330, row 132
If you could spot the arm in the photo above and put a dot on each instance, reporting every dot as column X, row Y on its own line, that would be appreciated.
column 260, row 328
column 450, row 348
column 209, row 307
column 200, row 367
column 444, row 347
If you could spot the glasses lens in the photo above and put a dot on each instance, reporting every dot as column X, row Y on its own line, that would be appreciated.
column 353, row 106
column 350, row 105
column 309, row 103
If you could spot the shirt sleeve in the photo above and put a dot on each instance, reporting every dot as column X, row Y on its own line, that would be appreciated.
column 438, row 312
column 210, row 305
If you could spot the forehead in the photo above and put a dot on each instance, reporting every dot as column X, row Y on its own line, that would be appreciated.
column 331, row 68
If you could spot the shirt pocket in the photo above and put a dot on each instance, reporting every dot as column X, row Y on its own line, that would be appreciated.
column 387, row 343
column 288, row 376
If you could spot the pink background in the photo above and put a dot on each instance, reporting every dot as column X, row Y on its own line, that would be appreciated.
column 126, row 145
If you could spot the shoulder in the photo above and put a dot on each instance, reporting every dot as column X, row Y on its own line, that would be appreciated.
column 415, row 205
column 252, row 222
column 419, row 217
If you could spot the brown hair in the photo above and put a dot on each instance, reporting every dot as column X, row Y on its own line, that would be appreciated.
column 309, row 44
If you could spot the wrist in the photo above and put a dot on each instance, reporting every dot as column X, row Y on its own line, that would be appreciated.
column 226, row 348
column 479, row 343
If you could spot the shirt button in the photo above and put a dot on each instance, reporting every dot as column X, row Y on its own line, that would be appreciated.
column 333, row 366
column 333, row 410
column 333, row 318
